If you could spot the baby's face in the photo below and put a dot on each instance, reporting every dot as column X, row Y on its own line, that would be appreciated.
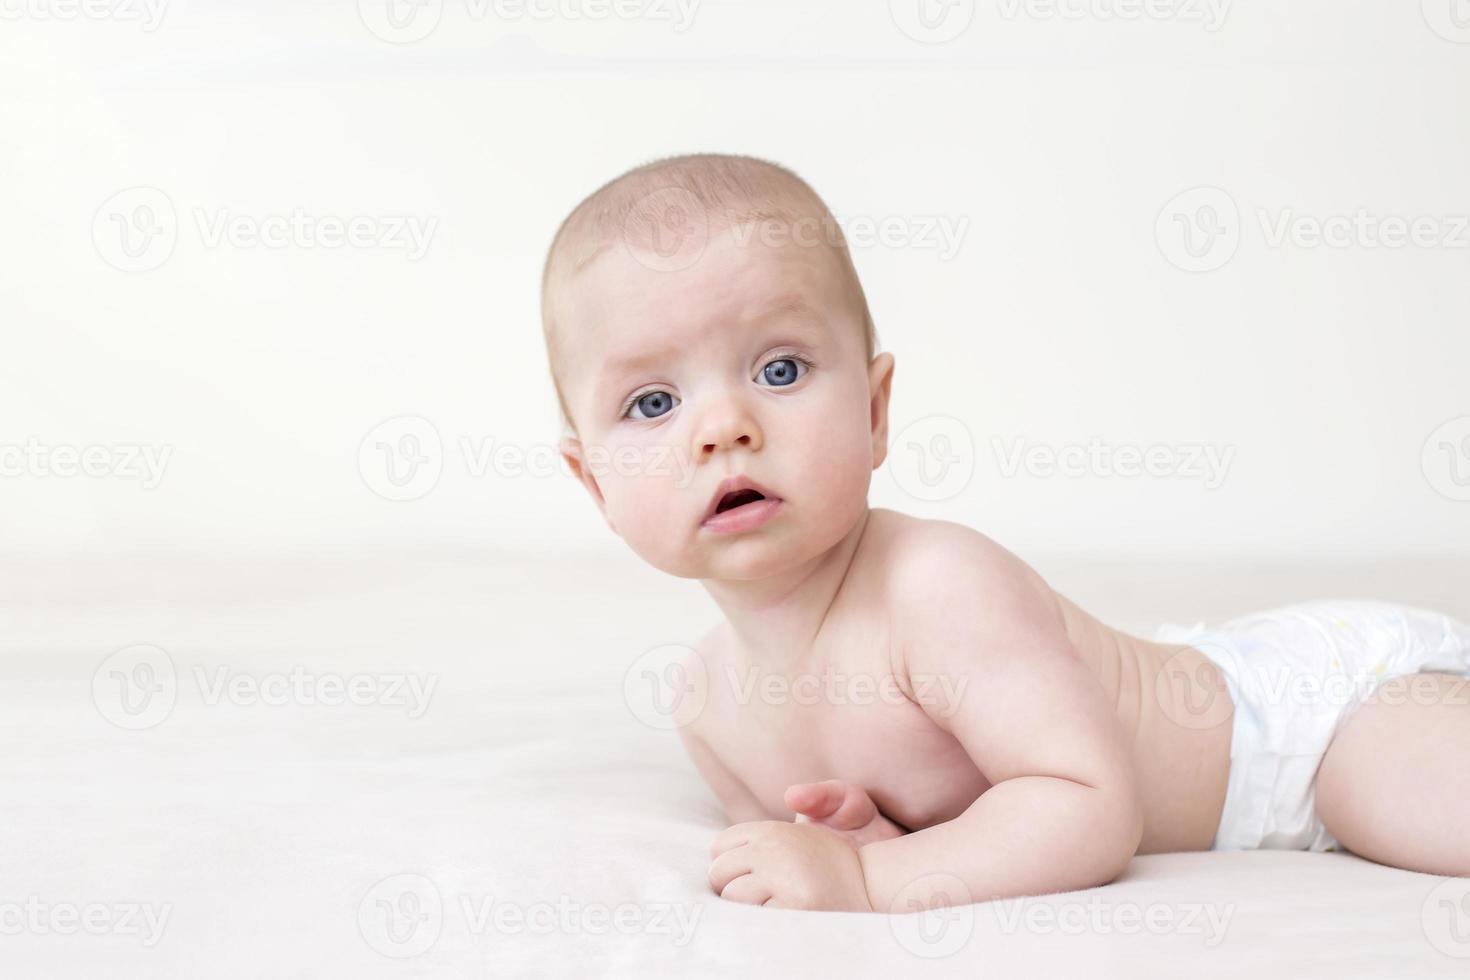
column 748, row 363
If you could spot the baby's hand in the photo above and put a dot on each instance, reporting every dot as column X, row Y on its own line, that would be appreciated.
column 788, row 865
column 842, row 808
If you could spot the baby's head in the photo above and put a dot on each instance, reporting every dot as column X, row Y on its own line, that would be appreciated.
column 703, row 320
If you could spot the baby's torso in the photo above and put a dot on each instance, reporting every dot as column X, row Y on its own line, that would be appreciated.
column 841, row 717
column 843, row 714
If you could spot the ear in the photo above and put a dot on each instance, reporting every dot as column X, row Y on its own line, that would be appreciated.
column 574, row 455
column 880, row 379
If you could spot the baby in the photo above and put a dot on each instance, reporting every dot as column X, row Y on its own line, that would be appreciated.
column 900, row 713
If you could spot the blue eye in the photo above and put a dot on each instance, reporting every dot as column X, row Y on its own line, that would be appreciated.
column 653, row 404
column 783, row 371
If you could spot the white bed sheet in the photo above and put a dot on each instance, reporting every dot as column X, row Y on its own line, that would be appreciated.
column 561, row 835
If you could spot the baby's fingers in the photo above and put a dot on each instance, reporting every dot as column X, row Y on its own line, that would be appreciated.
column 729, row 866
column 838, row 805
column 816, row 800
column 748, row 890
column 734, row 836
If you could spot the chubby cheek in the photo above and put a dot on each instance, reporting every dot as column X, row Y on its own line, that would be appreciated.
column 654, row 514
column 829, row 481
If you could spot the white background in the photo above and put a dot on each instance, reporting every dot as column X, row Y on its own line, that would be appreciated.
column 273, row 830
column 1055, row 141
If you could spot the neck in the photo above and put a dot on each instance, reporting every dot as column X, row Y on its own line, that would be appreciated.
column 778, row 618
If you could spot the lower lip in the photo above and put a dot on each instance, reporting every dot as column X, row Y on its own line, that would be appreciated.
column 743, row 518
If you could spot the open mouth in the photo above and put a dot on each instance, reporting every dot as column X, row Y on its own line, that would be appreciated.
column 739, row 504
column 738, row 498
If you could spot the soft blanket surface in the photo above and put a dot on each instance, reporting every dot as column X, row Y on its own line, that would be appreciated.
column 387, row 765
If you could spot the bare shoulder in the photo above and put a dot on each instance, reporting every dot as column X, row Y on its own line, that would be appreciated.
column 925, row 558
column 940, row 575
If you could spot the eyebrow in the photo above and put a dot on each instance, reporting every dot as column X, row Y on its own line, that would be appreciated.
column 792, row 306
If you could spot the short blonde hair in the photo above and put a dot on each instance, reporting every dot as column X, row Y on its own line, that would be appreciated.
column 729, row 189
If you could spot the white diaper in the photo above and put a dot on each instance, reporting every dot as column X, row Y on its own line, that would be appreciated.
column 1295, row 674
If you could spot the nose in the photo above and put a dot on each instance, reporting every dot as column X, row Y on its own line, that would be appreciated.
column 725, row 425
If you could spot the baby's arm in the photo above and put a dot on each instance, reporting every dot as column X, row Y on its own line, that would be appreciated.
column 739, row 802
column 1063, row 811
